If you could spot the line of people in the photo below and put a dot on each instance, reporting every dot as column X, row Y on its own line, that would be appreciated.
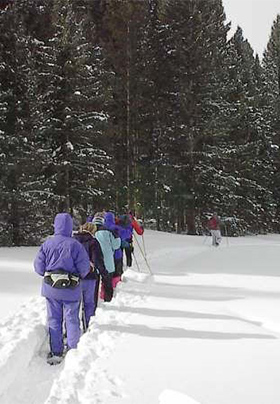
column 74, row 264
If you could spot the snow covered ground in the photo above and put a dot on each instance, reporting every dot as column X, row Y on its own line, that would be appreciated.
column 203, row 329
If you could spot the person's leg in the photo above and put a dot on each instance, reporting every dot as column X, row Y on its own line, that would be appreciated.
column 118, row 267
column 55, row 319
column 89, row 286
column 128, row 254
column 213, row 237
column 108, row 288
column 218, row 237
column 96, row 292
column 102, row 291
column 118, row 272
column 72, row 321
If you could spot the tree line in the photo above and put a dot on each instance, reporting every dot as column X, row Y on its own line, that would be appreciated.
column 142, row 105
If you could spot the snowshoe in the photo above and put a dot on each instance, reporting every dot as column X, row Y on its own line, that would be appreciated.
column 53, row 359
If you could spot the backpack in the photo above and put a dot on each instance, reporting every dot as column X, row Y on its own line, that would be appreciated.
column 124, row 220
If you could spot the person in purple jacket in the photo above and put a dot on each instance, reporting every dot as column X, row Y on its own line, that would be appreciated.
column 110, row 224
column 126, row 234
column 62, row 261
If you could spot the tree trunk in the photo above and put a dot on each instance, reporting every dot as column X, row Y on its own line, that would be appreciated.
column 128, row 171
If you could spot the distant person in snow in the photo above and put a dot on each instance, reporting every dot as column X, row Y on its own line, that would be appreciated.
column 62, row 261
column 214, row 227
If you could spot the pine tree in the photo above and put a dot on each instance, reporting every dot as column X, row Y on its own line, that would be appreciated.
column 271, row 66
column 152, row 115
column 197, row 43
column 124, row 29
column 71, row 112
column 238, row 191
column 18, row 200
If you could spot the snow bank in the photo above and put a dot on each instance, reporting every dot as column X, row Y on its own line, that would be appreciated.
column 82, row 372
column 21, row 336
column 204, row 329
column 171, row 397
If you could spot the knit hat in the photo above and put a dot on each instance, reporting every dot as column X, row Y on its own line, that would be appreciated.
column 98, row 220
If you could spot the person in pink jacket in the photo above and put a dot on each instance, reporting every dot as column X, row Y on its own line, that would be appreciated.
column 214, row 227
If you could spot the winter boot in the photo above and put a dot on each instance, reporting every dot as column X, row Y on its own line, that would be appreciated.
column 102, row 292
column 54, row 359
column 115, row 281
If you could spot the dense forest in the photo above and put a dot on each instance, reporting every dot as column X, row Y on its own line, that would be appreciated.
column 142, row 105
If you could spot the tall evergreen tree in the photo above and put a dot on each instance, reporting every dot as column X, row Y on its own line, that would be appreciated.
column 197, row 43
column 238, row 191
column 124, row 28
column 153, row 115
column 71, row 116
column 18, row 196
column 271, row 66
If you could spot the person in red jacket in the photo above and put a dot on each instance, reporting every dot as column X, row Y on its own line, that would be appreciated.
column 136, row 226
column 214, row 227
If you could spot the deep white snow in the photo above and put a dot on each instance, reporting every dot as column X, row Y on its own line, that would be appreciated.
column 203, row 329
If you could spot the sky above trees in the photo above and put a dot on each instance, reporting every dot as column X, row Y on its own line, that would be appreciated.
column 255, row 18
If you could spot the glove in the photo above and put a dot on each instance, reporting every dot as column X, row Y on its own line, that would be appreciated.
column 91, row 267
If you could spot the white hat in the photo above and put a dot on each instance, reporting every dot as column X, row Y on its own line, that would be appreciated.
column 98, row 221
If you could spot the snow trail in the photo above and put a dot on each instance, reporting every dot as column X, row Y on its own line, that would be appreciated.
column 24, row 374
column 201, row 317
column 85, row 365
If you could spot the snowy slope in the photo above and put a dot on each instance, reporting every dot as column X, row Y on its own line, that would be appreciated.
column 203, row 329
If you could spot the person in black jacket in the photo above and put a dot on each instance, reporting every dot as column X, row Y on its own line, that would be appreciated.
column 90, row 284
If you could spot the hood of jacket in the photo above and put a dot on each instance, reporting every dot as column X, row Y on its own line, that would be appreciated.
column 109, row 220
column 63, row 224
column 124, row 221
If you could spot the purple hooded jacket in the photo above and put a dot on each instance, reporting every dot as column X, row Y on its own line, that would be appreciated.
column 62, row 252
column 126, row 229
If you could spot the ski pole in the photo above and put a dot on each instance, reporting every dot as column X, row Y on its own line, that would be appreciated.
column 149, row 268
column 144, row 248
column 83, row 315
column 226, row 234
column 138, row 268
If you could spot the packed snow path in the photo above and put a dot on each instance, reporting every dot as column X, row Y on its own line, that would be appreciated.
column 204, row 329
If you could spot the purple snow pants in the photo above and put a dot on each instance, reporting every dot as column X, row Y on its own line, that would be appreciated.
column 89, row 292
column 55, row 311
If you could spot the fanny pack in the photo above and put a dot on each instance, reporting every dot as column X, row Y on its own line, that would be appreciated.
column 61, row 279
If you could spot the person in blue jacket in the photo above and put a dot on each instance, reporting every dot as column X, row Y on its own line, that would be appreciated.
column 126, row 234
column 109, row 242
column 62, row 261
